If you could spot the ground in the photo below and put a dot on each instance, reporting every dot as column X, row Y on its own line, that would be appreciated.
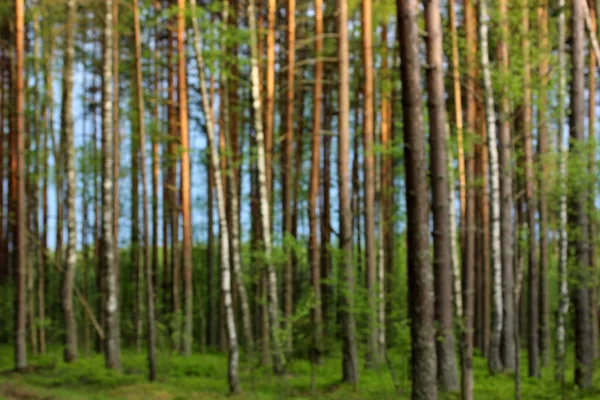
column 203, row 376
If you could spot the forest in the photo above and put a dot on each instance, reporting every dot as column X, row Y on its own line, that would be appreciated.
column 296, row 199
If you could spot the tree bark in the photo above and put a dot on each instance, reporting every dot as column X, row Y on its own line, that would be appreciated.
column 494, row 353
column 112, row 341
column 19, row 242
column 350, row 356
column 578, row 219
column 563, row 290
column 447, row 374
column 372, row 354
column 420, row 277
column 151, row 335
column 544, row 341
column 234, row 383
column 185, row 179
column 70, row 353
column 313, row 191
column 506, row 202
column 278, row 359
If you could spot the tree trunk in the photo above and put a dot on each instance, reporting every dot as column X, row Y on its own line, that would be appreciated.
column 458, row 120
column 317, row 318
column 112, row 344
column 591, row 17
column 185, row 179
column 70, row 353
column 372, row 354
column 278, row 360
column 19, row 242
column 494, row 353
column 563, row 307
column 544, row 294
column 447, row 374
column 151, row 335
column 156, row 158
column 468, row 257
column 578, row 219
column 234, row 383
column 506, row 203
column 116, row 140
column 420, row 276
column 350, row 356
column 287, row 185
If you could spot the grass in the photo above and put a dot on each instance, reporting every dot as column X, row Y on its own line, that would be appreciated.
column 203, row 376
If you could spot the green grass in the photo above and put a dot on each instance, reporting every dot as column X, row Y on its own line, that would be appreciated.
column 203, row 376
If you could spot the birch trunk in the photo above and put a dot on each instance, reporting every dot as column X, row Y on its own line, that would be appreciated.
column 234, row 383
column 70, row 353
column 273, row 307
column 458, row 120
column 563, row 289
column 495, row 363
column 112, row 341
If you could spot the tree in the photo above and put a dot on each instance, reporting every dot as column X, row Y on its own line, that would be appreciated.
column 185, row 178
column 494, row 352
column 442, row 248
column 419, row 273
column 578, row 219
column 19, row 241
column 373, row 353
column 151, row 335
column 350, row 356
column 506, row 202
column 315, row 167
column 234, row 383
column 112, row 346
column 265, row 214
column 70, row 353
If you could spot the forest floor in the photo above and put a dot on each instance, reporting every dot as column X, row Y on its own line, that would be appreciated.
column 203, row 376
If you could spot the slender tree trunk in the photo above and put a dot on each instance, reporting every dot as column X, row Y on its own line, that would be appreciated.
column 156, row 157
column 544, row 294
column 19, row 241
column 270, row 96
column 70, row 353
column 350, row 354
column 468, row 257
column 278, row 360
column 372, row 353
column 234, row 383
column 458, row 120
column 112, row 340
column 420, row 276
column 563, row 307
column 287, row 185
column 317, row 318
column 116, row 140
column 136, row 263
column 185, row 178
column 151, row 335
column 447, row 373
column 578, row 219
column 495, row 362
column 591, row 17
column 506, row 202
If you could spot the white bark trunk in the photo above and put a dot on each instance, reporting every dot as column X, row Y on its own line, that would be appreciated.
column 456, row 277
column 234, row 383
column 563, row 308
column 494, row 190
column 278, row 360
column 112, row 340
